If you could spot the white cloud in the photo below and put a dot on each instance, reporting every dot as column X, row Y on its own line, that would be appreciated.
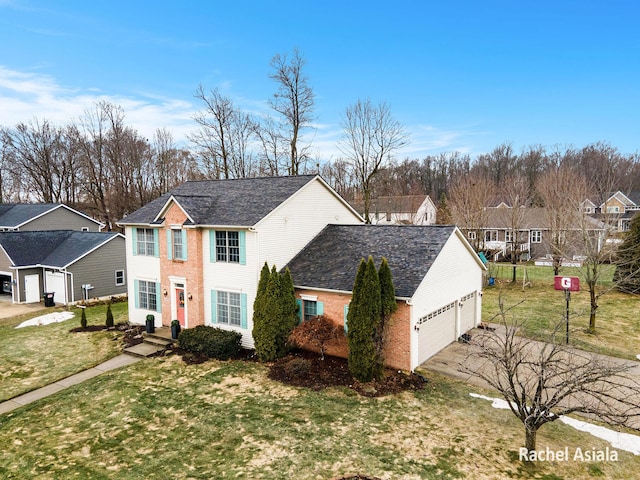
column 25, row 96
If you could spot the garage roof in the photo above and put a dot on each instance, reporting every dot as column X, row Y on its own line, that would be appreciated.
column 330, row 261
column 55, row 248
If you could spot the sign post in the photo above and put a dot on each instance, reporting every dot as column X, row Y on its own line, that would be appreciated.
column 568, row 285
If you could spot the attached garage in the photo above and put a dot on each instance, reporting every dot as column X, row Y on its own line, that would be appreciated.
column 55, row 283
column 436, row 330
column 436, row 273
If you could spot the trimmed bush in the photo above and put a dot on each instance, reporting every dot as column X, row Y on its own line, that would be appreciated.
column 83, row 318
column 109, row 320
column 210, row 341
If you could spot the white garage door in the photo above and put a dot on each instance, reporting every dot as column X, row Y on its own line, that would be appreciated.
column 54, row 282
column 467, row 312
column 436, row 331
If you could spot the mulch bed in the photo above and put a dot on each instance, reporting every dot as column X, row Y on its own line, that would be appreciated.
column 305, row 369
column 132, row 334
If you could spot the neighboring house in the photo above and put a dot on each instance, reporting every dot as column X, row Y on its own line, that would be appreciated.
column 533, row 239
column 436, row 273
column 619, row 209
column 73, row 265
column 400, row 210
column 195, row 253
column 44, row 216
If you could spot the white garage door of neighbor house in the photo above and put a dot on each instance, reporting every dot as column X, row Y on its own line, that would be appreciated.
column 54, row 282
column 32, row 288
column 467, row 313
column 436, row 331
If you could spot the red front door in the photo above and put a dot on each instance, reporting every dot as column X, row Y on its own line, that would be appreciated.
column 180, row 305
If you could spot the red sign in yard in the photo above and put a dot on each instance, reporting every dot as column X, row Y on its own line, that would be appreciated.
column 566, row 283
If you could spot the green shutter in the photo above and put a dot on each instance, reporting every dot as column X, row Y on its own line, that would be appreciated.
column 212, row 246
column 319, row 308
column 136, row 293
column 134, row 238
column 158, row 298
column 243, row 250
column 169, row 249
column 156, row 249
column 299, row 309
column 346, row 313
column 184, row 244
column 243, row 310
column 214, row 306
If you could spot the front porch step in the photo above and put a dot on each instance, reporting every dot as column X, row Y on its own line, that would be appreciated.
column 152, row 343
column 144, row 350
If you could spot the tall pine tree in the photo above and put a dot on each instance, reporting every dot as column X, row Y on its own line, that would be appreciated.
column 627, row 274
column 388, row 306
column 274, row 313
column 364, row 319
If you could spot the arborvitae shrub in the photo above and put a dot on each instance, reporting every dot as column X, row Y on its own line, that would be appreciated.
column 109, row 320
column 210, row 341
column 83, row 318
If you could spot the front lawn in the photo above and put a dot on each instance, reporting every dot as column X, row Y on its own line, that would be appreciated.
column 32, row 357
column 161, row 418
column 618, row 315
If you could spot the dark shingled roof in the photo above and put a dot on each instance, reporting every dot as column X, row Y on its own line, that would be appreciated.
column 330, row 261
column 55, row 248
column 239, row 202
column 13, row 215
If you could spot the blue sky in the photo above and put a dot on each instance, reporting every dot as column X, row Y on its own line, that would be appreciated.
column 459, row 75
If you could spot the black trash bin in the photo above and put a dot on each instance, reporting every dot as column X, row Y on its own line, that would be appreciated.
column 48, row 299
column 151, row 328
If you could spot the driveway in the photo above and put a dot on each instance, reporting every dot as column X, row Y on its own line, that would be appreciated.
column 8, row 309
column 455, row 361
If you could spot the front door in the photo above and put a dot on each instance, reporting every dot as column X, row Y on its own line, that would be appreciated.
column 180, row 306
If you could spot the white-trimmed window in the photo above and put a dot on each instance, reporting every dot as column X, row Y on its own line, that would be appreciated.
column 536, row 236
column 471, row 234
column 613, row 209
column 509, row 236
column 120, row 278
column 228, row 246
column 491, row 236
column 147, row 295
column 177, row 238
column 229, row 308
column 308, row 308
column 145, row 239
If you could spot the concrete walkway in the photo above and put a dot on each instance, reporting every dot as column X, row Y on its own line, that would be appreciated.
column 116, row 362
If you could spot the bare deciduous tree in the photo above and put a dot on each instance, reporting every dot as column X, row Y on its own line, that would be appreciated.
column 294, row 101
column 517, row 195
column 543, row 381
column 468, row 199
column 562, row 192
column 370, row 137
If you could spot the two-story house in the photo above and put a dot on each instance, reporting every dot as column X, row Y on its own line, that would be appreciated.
column 195, row 255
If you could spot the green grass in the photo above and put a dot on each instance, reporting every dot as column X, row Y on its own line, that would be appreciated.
column 32, row 357
column 618, row 314
column 163, row 419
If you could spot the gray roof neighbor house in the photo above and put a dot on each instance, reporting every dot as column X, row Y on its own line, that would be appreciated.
column 330, row 261
column 72, row 263
column 44, row 216
column 240, row 202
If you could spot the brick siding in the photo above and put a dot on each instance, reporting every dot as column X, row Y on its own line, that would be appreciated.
column 397, row 348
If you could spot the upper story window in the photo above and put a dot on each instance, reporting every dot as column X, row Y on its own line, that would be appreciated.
column 536, row 236
column 228, row 247
column 471, row 235
column 613, row 209
column 145, row 242
column 176, row 244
